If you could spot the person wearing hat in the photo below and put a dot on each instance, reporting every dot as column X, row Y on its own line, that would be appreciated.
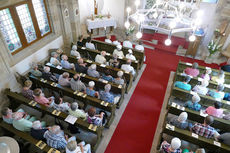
column 65, row 63
column 106, row 95
column 202, row 89
column 37, row 131
column 73, row 147
column 93, row 72
column 34, row 70
column 194, row 104
column 100, row 58
column 215, row 111
column 192, row 71
column 220, row 78
column 207, row 75
column 119, row 79
column 53, row 60
column 26, row 91
column 114, row 62
column 180, row 121
column 118, row 52
column 174, row 147
column 74, row 52
column 140, row 46
column 218, row 93
column 74, row 111
column 89, row 44
column 90, row 90
column 130, row 55
column 127, row 43
column 185, row 84
column 108, row 39
column 76, row 84
column 128, row 68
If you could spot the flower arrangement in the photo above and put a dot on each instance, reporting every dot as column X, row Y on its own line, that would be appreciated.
column 213, row 47
column 130, row 30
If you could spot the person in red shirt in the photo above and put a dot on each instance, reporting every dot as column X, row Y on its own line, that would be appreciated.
column 41, row 99
column 192, row 71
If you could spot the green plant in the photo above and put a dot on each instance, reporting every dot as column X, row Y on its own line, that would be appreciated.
column 214, row 46
column 130, row 30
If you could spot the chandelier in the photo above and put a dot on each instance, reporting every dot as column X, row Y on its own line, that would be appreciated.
column 167, row 16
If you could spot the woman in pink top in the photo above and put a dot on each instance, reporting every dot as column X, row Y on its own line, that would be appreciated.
column 41, row 99
column 215, row 111
column 192, row 71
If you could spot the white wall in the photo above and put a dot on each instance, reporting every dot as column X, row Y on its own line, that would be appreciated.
column 38, row 56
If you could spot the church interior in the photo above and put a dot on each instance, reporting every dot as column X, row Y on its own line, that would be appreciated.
column 115, row 76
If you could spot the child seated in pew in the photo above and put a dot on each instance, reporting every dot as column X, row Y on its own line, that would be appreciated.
column 90, row 90
column 76, row 84
column 223, row 138
column 41, row 99
column 106, row 76
column 60, row 105
column 7, row 114
column 174, row 147
column 180, row 121
column 184, row 85
column 92, row 71
column 201, row 89
column 207, row 76
column 65, row 63
column 96, row 119
column 215, row 111
column 64, row 80
column 37, row 131
column 54, row 59
column 73, row 147
column 74, row 52
column 194, row 104
column 219, row 78
column 192, row 71
column 218, row 93
column 26, row 91
column 119, row 79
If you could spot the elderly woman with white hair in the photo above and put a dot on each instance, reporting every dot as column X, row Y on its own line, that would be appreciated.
column 174, row 147
column 53, row 60
column 194, row 104
column 55, row 137
column 34, row 70
column 106, row 95
column 118, row 52
column 130, row 55
column 73, row 147
column 180, row 121
column 74, row 52
column 92, row 71
column 65, row 63
column 128, row 68
column 90, row 90
column 37, row 131
column 202, row 89
column 100, row 58
column 47, row 75
column 119, row 79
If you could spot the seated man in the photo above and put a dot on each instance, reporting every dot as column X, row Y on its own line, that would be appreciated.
column 192, row 71
column 55, row 137
column 140, row 47
column 73, row 147
column 90, row 90
column 207, row 76
column 41, row 99
column 80, row 41
column 76, row 83
column 74, row 111
column 106, row 95
column 217, row 94
column 114, row 62
column 202, row 89
column 106, row 76
column 35, row 71
column 128, row 68
column 80, row 66
column 119, row 79
column 127, row 43
column 60, row 105
column 215, row 111
column 204, row 130
column 37, row 131
column 183, row 85
column 89, row 44
column 53, row 60
column 101, row 58
column 64, row 80
column 74, row 52
column 223, row 138
column 94, row 118
column 93, row 72
column 220, row 78
column 180, row 121
column 194, row 104
column 130, row 55
column 65, row 64
column 26, row 91
column 119, row 52
column 47, row 75
column 174, row 147
column 7, row 114
column 108, row 39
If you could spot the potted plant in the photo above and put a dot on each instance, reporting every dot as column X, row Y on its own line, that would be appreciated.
column 213, row 48
column 130, row 30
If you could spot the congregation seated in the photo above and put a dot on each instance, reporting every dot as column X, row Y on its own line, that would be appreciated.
column 47, row 75
column 90, row 90
column 119, row 79
column 194, row 104
column 76, row 84
column 60, row 105
column 140, row 46
column 73, row 147
column 89, row 44
column 108, row 39
column 100, row 58
column 37, row 131
column 106, row 95
column 185, row 84
column 202, row 89
column 80, row 66
column 218, row 93
column 80, row 41
column 55, row 137
column 78, row 113
column 65, row 63
column 204, row 129
column 219, row 78
column 174, row 147
column 118, row 52
column 26, row 91
column 127, row 43
column 59, row 53
column 34, row 71
column 207, row 76
column 180, row 121
column 116, row 42
column 92, row 71
column 7, row 114
column 64, row 80
column 53, row 60
column 130, row 55
column 106, row 76
column 41, row 99
column 223, row 138
column 93, row 118
column 128, row 68
column 74, row 52
column 215, row 111
column 114, row 62
column 192, row 71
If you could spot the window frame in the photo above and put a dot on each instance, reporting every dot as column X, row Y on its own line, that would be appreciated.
column 18, row 26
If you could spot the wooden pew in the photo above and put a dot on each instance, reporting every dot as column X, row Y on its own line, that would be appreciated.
column 84, row 125
column 117, row 89
column 87, row 100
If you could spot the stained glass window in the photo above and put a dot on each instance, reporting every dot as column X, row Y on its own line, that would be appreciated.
column 26, row 22
column 41, row 16
column 9, row 31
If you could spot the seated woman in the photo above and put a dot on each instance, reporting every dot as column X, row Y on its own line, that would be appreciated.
column 93, row 118
column 47, row 75
column 41, row 99
column 183, row 85
column 218, row 93
column 90, row 90
column 192, row 71
column 35, row 71
column 53, row 60
column 207, row 76
column 73, row 147
column 220, row 78
column 37, row 131
column 174, row 147
column 106, row 95
column 215, row 111
column 106, row 76
column 180, row 121
column 201, row 89
column 92, row 71
column 74, row 52
column 194, row 104
column 60, row 105
column 119, row 79
column 7, row 114
column 89, row 44
column 26, row 91
column 64, row 80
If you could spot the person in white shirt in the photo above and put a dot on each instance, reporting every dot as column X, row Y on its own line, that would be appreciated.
column 89, row 44
column 118, row 52
column 140, row 47
column 127, row 43
column 74, row 52
column 73, row 147
column 101, row 58
column 53, row 60
column 128, row 68
column 108, row 39
column 116, row 42
column 130, row 55
column 202, row 89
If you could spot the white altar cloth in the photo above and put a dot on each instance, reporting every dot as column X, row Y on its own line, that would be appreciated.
column 100, row 23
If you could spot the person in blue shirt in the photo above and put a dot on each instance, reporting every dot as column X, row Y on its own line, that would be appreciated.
column 180, row 121
column 194, row 104
column 106, row 95
column 183, row 85
column 90, row 90
column 107, row 76
column 218, row 93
